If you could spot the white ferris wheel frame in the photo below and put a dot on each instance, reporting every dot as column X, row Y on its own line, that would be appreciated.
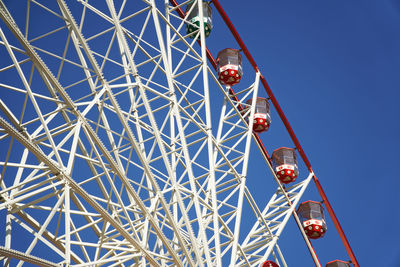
column 191, row 215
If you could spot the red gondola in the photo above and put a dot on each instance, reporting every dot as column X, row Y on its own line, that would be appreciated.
column 229, row 66
column 262, row 117
column 312, row 217
column 270, row 264
column 284, row 162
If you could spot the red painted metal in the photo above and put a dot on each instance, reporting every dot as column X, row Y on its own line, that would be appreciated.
column 283, row 118
column 336, row 222
column 263, row 81
column 289, row 129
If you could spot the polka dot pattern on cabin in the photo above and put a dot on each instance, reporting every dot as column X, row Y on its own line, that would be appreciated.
column 229, row 77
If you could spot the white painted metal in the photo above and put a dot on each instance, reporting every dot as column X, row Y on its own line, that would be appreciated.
column 262, row 239
column 114, row 155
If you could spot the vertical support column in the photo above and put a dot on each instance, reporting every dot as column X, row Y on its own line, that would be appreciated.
column 67, row 189
column 171, row 115
column 177, row 119
column 8, row 230
column 244, row 172
column 209, row 136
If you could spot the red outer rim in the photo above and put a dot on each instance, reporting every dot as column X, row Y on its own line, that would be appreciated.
column 283, row 118
column 290, row 131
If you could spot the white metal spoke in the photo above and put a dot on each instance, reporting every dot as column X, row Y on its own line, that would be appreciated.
column 113, row 151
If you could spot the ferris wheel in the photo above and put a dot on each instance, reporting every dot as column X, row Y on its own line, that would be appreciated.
column 125, row 143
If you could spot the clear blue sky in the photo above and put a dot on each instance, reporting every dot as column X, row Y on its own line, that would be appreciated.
column 334, row 68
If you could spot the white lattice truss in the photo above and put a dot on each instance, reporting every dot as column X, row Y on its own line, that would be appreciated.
column 108, row 152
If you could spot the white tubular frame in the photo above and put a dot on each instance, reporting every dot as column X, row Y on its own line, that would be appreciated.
column 111, row 156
